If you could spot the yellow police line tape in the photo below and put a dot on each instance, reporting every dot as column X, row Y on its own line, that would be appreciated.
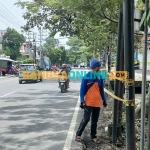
column 127, row 102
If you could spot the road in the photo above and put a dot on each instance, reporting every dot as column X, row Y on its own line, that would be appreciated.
column 36, row 116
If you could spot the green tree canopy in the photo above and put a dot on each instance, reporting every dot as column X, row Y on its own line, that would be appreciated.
column 92, row 21
column 11, row 43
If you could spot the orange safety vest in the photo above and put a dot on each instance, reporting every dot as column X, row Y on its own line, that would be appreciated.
column 93, row 96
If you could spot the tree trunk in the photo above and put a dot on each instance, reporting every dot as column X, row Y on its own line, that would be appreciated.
column 94, row 53
column 109, row 59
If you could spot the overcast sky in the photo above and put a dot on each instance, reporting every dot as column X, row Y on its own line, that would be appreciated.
column 11, row 16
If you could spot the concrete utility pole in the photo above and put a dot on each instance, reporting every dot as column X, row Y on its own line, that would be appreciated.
column 41, row 31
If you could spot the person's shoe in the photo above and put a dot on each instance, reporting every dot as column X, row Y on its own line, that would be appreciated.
column 78, row 138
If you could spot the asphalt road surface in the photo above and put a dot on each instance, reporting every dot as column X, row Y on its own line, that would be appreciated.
column 37, row 116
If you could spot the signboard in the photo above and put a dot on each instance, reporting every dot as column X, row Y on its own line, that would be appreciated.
column 2, row 32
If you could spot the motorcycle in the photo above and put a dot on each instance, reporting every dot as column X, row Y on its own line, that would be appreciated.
column 15, row 71
column 63, row 85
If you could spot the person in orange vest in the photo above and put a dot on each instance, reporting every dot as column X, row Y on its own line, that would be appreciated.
column 92, row 98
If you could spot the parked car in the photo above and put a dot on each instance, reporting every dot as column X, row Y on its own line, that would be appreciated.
column 75, row 65
column 83, row 65
column 29, row 72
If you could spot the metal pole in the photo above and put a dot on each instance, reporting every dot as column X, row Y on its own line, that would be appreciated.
column 116, row 102
column 34, row 39
column 128, row 22
column 144, row 74
column 148, row 133
column 41, row 48
column 35, row 53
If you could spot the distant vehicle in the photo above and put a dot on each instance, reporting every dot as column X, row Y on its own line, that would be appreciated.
column 47, row 65
column 14, row 71
column 5, row 62
column 75, row 65
column 31, row 69
column 83, row 65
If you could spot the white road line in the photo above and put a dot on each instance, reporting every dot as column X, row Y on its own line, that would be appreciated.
column 7, row 94
column 70, row 134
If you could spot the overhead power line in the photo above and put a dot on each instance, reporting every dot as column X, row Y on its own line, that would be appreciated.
column 10, row 19
column 4, row 22
column 12, row 14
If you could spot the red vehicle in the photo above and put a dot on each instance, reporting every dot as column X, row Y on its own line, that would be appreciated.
column 5, row 64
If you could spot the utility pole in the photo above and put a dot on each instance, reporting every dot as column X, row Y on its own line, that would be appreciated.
column 128, row 22
column 29, row 34
column 41, row 48
column 34, row 44
column 144, row 73
column 119, row 87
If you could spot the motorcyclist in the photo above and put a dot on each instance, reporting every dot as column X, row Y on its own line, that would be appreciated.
column 55, row 68
column 65, row 72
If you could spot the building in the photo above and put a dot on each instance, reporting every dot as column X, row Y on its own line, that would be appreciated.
column 28, row 49
column 2, row 32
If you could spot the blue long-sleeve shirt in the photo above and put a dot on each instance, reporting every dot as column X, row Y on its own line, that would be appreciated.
column 89, row 78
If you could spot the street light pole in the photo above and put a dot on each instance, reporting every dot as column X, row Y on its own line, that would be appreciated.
column 144, row 73
column 34, row 44
column 34, row 41
column 128, row 22
column 41, row 49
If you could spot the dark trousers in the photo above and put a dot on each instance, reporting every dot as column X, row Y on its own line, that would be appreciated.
column 94, row 113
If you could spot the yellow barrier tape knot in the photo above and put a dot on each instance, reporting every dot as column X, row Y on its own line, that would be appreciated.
column 127, row 102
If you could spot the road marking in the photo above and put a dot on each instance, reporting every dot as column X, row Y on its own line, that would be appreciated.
column 7, row 94
column 70, row 134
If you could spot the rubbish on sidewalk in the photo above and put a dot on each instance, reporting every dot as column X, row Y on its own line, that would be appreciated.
column 106, row 129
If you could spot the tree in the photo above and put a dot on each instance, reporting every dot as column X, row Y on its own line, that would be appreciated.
column 78, row 51
column 28, row 61
column 91, row 20
column 11, row 43
column 51, row 49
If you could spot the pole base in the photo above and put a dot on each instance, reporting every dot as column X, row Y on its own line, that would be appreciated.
column 120, row 129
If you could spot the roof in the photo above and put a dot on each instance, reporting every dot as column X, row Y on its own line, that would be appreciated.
column 8, row 59
column 28, row 64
